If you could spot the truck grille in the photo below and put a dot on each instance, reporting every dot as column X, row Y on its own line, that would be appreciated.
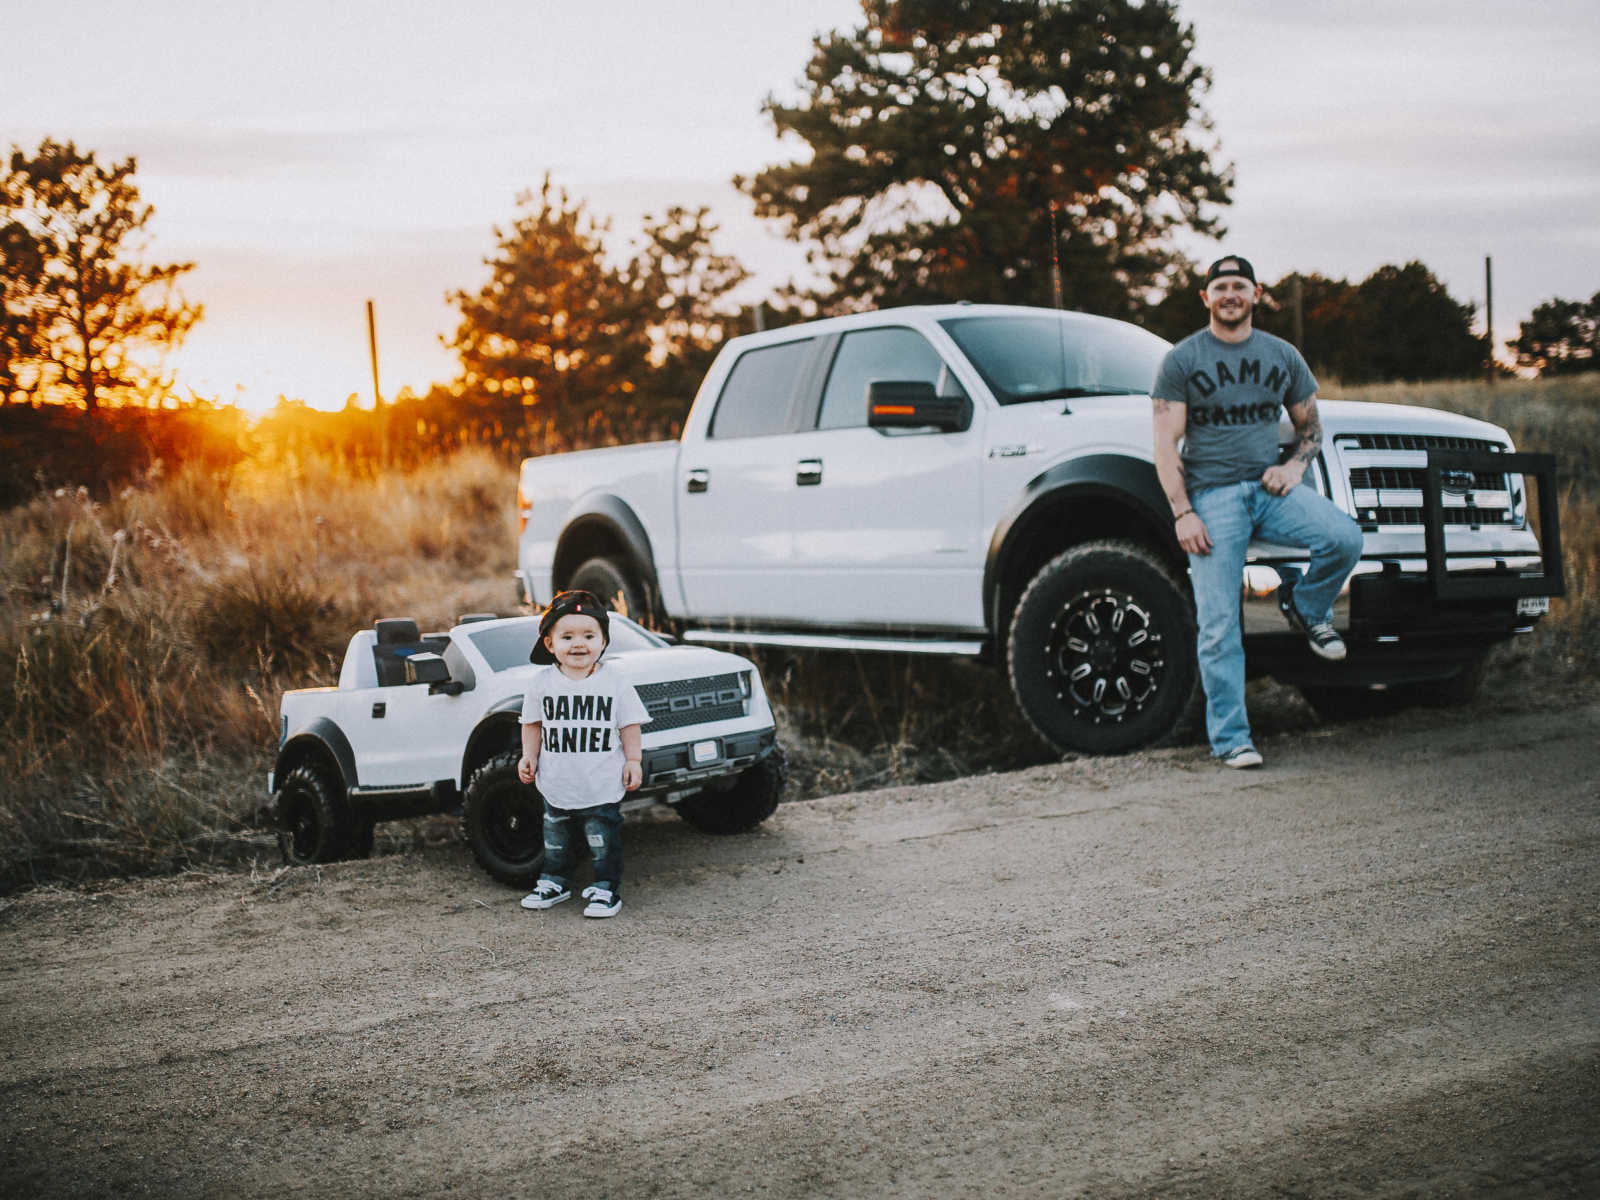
column 680, row 702
column 1386, row 472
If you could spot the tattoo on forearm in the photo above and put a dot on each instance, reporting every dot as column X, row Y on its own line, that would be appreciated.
column 1310, row 439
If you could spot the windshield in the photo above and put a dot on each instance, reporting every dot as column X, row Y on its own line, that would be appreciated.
column 1049, row 355
column 507, row 646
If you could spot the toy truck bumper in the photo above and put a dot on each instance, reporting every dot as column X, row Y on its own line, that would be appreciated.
column 684, row 766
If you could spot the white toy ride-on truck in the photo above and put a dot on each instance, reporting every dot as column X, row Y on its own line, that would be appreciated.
column 422, row 723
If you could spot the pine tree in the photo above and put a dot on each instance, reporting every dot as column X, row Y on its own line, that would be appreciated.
column 942, row 134
column 85, row 317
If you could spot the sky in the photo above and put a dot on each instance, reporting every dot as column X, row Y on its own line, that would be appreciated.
column 308, row 157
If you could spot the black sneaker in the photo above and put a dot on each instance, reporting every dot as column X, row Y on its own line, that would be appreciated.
column 1241, row 757
column 603, row 902
column 1323, row 639
column 546, row 895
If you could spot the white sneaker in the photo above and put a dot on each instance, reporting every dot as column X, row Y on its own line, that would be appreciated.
column 603, row 902
column 1244, row 756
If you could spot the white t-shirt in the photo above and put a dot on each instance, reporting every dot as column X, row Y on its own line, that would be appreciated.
column 581, row 758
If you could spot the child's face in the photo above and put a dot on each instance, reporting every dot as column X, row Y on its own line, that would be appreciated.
column 575, row 642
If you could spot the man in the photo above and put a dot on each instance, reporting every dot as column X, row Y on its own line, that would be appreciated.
column 1218, row 393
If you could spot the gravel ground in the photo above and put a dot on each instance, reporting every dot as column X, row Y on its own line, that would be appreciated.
column 1370, row 969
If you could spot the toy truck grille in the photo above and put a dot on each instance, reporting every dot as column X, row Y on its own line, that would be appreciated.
column 681, row 702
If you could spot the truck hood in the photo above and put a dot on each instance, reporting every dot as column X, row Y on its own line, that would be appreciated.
column 1361, row 416
column 1113, row 424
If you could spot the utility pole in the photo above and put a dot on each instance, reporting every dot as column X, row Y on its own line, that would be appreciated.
column 1297, row 301
column 377, row 395
column 1488, row 310
column 1055, row 258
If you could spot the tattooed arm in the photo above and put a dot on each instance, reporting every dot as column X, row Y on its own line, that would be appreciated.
column 1308, row 425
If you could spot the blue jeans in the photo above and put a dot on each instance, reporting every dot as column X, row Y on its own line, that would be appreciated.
column 1234, row 514
column 602, row 828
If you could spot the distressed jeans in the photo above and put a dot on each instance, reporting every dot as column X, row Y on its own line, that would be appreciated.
column 1234, row 514
column 602, row 829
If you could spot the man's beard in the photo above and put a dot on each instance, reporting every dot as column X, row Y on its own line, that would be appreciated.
column 1247, row 308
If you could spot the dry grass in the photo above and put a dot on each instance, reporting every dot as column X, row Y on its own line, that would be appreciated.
column 144, row 641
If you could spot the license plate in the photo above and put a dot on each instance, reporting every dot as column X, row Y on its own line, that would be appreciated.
column 703, row 752
column 1532, row 606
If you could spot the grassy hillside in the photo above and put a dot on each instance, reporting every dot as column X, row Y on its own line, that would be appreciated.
column 144, row 641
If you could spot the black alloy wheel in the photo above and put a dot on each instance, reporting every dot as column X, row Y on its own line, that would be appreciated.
column 1102, row 650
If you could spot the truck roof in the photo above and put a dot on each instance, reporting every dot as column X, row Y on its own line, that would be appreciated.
column 916, row 315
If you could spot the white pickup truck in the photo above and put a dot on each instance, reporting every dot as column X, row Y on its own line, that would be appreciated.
column 978, row 480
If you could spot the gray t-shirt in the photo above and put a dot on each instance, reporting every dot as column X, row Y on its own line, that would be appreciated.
column 1233, row 392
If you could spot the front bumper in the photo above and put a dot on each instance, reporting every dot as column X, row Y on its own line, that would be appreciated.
column 686, row 765
column 1410, row 617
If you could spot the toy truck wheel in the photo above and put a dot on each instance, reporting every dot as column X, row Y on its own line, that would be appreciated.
column 362, row 835
column 313, row 819
column 1102, row 650
column 502, row 820
column 740, row 803
column 616, row 586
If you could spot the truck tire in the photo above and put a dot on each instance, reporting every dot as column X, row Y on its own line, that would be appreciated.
column 1451, row 692
column 739, row 804
column 621, row 592
column 314, row 824
column 1101, row 652
column 502, row 821
column 1333, row 703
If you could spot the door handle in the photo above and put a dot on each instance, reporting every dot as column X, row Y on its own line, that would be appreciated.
column 699, row 479
column 808, row 472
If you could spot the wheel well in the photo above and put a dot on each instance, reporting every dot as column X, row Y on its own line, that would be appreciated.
column 499, row 732
column 1057, row 524
column 315, row 752
column 586, row 540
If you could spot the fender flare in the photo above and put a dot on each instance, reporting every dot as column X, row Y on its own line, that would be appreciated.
column 485, row 730
column 322, row 734
column 612, row 514
column 1118, row 478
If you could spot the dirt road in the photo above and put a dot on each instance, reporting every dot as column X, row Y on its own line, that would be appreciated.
column 1372, row 968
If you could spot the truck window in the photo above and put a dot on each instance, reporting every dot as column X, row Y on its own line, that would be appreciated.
column 755, row 400
column 506, row 646
column 1037, row 355
column 870, row 355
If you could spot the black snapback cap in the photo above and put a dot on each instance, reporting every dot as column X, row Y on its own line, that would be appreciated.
column 1230, row 264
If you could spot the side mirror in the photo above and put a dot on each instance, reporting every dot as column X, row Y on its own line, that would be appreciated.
column 913, row 404
column 430, row 668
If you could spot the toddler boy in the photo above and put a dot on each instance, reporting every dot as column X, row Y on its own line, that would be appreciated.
column 580, row 744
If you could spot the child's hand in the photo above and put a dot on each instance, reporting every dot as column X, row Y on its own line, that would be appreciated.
column 632, row 775
column 525, row 769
